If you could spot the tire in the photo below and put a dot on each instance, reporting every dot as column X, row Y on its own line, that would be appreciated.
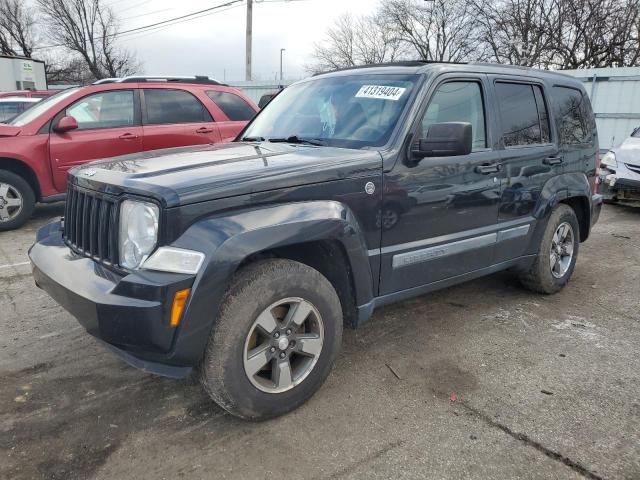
column 258, row 288
column 542, row 277
column 14, row 189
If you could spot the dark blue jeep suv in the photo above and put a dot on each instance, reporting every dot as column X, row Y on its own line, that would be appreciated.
column 350, row 190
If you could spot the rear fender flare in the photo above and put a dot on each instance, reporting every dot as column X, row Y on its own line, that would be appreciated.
column 556, row 190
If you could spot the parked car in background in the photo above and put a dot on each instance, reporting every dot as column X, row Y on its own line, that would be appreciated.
column 620, row 174
column 29, row 93
column 131, row 115
column 11, row 107
column 267, row 97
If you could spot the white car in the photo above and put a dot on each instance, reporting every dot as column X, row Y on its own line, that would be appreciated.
column 620, row 174
column 13, row 106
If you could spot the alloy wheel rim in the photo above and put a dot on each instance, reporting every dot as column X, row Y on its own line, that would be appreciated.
column 283, row 345
column 11, row 202
column 562, row 246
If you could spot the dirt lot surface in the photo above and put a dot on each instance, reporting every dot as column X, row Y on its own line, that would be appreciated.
column 545, row 387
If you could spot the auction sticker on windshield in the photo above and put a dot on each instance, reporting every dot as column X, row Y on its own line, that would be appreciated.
column 380, row 92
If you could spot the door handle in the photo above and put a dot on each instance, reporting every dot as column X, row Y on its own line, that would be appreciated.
column 204, row 130
column 488, row 168
column 128, row 136
column 553, row 160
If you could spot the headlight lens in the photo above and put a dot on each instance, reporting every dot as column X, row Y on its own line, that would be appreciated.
column 176, row 260
column 138, row 232
column 609, row 160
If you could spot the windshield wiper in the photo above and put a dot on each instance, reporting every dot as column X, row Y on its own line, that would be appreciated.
column 296, row 139
column 253, row 139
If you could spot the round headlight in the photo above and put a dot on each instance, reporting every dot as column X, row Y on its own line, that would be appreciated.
column 138, row 232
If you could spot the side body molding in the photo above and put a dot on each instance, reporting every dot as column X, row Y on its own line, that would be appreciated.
column 228, row 239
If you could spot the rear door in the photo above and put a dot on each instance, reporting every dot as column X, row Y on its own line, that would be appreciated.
column 175, row 118
column 236, row 110
column 108, row 126
column 530, row 158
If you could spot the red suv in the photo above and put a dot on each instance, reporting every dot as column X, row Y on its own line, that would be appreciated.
column 130, row 115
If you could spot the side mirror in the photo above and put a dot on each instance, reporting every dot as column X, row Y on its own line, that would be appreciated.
column 66, row 124
column 445, row 140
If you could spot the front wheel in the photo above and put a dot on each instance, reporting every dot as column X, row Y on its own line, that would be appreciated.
column 278, row 333
column 557, row 253
column 17, row 201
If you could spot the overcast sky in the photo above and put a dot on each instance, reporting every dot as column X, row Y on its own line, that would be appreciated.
column 214, row 45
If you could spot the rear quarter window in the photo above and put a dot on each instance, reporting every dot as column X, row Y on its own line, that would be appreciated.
column 233, row 106
column 573, row 115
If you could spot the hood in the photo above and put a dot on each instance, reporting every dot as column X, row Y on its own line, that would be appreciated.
column 187, row 175
column 9, row 130
column 629, row 151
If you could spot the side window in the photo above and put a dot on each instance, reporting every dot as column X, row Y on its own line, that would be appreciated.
column 9, row 110
column 232, row 105
column 458, row 102
column 524, row 116
column 173, row 106
column 110, row 109
column 571, row 118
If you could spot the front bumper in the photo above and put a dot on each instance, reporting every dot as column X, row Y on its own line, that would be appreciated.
column 129, row 312
column 615, row 188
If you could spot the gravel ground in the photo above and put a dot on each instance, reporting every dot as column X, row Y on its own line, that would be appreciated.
column 482, row 380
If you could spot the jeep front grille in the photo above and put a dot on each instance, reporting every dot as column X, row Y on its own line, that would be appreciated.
column 91, row 224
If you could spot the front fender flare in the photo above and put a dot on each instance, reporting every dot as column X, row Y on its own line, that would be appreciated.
column 228, row 239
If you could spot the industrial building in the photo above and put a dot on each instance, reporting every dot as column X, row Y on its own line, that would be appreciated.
column 21, row 73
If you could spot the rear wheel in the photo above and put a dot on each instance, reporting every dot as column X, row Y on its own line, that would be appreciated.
column 278, row 333
column 557, row 254
column 17, row 201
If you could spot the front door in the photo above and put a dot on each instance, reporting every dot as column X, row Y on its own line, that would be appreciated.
column 108, row 126
column 439, row 215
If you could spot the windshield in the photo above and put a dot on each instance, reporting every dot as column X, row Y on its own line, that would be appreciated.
column 354, row 111
column 41, row 107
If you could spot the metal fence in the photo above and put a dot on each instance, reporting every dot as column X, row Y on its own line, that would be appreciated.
column 255, row 89
column 615, row 96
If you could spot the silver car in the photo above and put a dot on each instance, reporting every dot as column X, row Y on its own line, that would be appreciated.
column 620, row 174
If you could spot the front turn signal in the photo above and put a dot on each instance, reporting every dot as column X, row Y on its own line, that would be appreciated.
column 179, row 302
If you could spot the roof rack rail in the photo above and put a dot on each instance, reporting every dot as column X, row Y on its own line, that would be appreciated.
column 404, row 63
column 105, row 80
column 200, row 79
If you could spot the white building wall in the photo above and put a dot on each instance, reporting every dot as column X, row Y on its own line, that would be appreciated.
column 24, row 70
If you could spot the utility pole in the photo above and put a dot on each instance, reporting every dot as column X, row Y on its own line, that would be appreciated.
column 281, row 50
column 248, row 39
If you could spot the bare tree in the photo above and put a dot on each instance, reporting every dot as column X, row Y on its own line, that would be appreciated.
column 518, row 32
column 353, row 41
column 596, row 33
column 17, row 28
column 563, row 34
column 89, row 29
column 440, row 30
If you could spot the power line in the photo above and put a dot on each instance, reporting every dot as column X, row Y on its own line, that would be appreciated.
column 163, row 22
column 157, row 29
